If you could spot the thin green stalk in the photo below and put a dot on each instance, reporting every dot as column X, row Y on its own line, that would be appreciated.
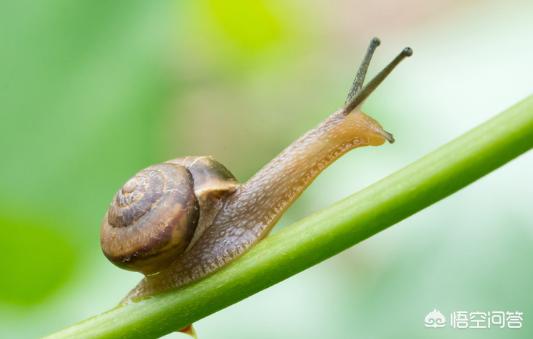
column 326, row 233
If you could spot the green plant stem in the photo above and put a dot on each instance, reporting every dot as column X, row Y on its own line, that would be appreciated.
column 326, row 233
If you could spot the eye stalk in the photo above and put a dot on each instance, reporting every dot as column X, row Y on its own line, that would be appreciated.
column 361, row 71
column 358, row 93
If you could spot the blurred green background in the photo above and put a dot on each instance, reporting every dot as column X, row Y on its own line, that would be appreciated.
column 93, row 91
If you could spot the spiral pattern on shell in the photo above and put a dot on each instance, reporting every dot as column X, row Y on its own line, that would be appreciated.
column 152, row 219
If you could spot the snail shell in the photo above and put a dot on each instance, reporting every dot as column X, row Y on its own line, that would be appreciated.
column 162, row 211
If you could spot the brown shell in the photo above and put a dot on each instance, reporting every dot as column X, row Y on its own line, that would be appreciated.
column 151, row 219
column 156, row 215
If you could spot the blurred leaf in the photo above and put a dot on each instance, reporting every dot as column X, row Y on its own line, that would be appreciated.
column 36, row 260
column 250, row 25
column 84, row 93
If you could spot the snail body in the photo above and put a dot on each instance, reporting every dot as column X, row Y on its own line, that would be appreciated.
column 181, row 220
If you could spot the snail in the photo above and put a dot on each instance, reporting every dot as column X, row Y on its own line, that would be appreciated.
column 181, row 220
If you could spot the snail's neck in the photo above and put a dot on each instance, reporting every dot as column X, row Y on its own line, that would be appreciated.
column 260, row 202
